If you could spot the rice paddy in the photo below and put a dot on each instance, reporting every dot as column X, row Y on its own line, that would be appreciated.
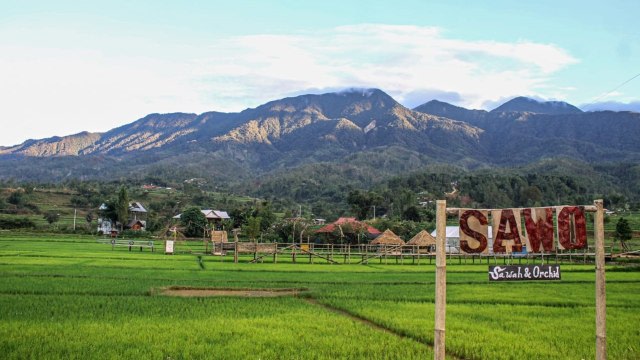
column 72, row 297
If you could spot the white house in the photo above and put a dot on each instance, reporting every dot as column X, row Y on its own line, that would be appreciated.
column 453, row 239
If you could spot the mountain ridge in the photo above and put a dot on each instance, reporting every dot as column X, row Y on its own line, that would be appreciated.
column 333, row 127
column 525, row 104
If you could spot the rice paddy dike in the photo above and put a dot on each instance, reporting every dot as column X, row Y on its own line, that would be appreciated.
column 72, row 297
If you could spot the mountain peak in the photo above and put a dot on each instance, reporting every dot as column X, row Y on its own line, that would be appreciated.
column 363, row 92
column 443, row 109
column 525, row 104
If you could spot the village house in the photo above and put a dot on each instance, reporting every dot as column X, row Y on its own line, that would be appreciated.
column 137, row 219
column 214, row 218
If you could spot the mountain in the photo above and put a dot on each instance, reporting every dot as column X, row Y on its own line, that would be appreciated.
column 525, row 104
column 330, row 126
column 54, row 146
column 542, row 130
column 443, row 109
column 365, row 128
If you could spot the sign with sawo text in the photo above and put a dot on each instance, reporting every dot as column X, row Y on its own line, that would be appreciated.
column 510, row 232
column 524, row 272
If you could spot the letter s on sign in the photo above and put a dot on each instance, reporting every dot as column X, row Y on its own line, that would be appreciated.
column 466, row 229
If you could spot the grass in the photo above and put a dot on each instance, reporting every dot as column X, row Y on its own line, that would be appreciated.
column 72, row 297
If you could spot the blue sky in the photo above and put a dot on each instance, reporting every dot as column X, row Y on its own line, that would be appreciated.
column 69, row 66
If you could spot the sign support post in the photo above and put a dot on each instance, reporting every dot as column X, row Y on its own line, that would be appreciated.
column 441, row 281
column 601, row 293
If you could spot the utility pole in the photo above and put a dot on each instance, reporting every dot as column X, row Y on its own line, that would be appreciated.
column 75, row 212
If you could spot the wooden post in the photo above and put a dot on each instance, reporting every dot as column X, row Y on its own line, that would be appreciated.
column 601, row 293
column 235, row 252
column 293, row 252
column 441, row 281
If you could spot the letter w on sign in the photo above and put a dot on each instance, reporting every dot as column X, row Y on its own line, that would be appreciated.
column 539, row 225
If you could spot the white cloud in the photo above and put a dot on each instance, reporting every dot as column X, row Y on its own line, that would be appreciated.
column 50, row 91
column 402, row 60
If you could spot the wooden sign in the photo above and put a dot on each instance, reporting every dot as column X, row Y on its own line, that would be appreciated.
column 572, row 227
column 524, row 272
column 539, row 237
column 474, row 231
column 507, row 238
column 509, row 235
column 539, row 225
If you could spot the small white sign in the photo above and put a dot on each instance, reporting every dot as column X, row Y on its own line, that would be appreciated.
column 168, row 247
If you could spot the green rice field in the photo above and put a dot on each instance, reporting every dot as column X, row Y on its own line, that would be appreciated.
column 66, row 297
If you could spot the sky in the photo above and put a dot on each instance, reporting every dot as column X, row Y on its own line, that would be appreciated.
column 72, row 66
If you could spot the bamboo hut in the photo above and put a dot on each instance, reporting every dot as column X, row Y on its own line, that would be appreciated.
column 423, row 242
column 388, row 238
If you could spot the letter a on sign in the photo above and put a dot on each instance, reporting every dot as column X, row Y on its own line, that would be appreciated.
column 473, row 231
column 507, row 238
column 572, row 227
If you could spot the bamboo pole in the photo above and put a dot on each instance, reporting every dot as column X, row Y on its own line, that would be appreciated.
column 601, row 294
column 441, row 281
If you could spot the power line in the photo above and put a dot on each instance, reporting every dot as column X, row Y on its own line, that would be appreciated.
column 609, row 92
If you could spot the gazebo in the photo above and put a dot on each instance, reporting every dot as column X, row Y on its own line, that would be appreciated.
column 388, row 238
column 422, row 240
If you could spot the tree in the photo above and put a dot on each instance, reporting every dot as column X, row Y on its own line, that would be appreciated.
column 530, row 195
column 194, row 222
column 16, row 198
column 412, row 213
column 51, row 217
column 362, row 202
column 266, row 215
column 122, row 207
column 252, row 229
column 623, row 232
column 89, row 219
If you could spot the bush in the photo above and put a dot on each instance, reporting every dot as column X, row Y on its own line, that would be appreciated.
column 16, row 223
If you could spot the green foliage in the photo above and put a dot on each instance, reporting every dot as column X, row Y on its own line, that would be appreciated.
column 122, row 206
column 412, row 213
column 623, row 230
column 266, row 215
column 252, row 229
column 51, row 217
column 16, row 223
column 194, row 222
column 16, row 198
column 362, row 202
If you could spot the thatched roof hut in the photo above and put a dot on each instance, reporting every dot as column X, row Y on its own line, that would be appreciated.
column 388, row 238
column 423, row 238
